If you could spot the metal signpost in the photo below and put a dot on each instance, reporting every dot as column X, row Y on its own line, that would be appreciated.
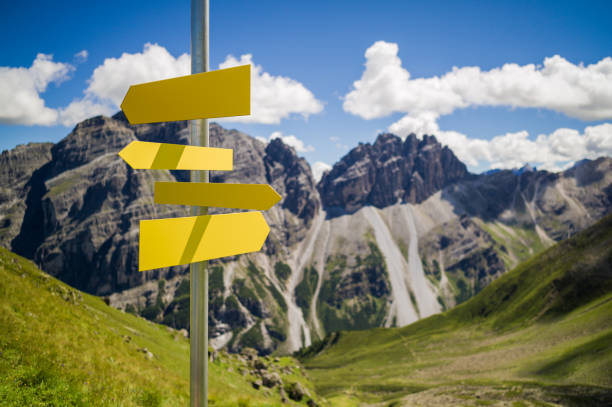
column 200, row 237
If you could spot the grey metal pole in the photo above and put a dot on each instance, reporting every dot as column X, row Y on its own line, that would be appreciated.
column 198, row 320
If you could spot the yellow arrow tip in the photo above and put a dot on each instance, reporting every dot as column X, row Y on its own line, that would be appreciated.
column 127, row 153
column 275, row 196
column 125, row 105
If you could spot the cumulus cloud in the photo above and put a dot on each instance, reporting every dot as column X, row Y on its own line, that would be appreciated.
column 81, row 109
column 290, row 140
column 111, row 80
column 20, row 101
column 553, row 152
column 273, row 98
column 579, row 91
column 318, row 169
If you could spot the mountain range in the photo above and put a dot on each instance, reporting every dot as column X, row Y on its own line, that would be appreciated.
column 537, row 336
column 396, row 231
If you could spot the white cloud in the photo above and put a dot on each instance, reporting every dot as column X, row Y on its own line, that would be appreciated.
column 426, row 123
column 290, row 140
column 81, row 56
column 318, row 169
column 81, row 109
column 293, row 141
column 20, row 101
column 552, row 151
column 273, row 98
column 584, row 92
column 111, row 80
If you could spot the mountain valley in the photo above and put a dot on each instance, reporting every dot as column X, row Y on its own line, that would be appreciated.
column 537, row 336
column 397, row 231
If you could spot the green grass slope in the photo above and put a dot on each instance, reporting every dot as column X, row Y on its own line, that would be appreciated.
column 539, row 335
column 60, row 347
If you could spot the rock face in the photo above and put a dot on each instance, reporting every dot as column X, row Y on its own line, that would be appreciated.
column 559, row 203
column 16, row 169
column 293, row 178
column 81, row 221
column 84, row 204
column 390, row 171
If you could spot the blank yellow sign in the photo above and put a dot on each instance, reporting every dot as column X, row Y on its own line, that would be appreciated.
column 240, row 196
column 162, row 156
column 176, row 241
column 222, row 93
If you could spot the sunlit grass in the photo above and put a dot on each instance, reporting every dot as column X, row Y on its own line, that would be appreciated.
column 543, row 329
column 59, row 347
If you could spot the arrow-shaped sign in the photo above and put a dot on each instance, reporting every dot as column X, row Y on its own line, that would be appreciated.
column 176, row 241
column 240, row 196
column 162, row 156
column 222, row 93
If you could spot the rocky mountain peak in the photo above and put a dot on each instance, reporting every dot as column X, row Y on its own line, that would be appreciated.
column 388, row 171
column 78, row 213
column 281, row 152
column 297, row 184
column 90, row 139
column 17, row 165
column 16, row 169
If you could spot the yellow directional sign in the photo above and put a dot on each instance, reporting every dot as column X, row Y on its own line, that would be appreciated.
column 176, row 241
column 162, row 156
column 239, row 196
column 221, row 93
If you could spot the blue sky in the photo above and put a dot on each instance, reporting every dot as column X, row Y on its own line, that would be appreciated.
column 320, row 46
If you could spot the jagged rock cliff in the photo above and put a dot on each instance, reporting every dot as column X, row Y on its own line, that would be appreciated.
column 16, row 168
column 390, row 171
column 84, row 204
column 81, row 221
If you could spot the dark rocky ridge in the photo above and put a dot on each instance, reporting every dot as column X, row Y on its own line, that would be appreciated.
column 532, row 197
column 83, row 206
column 16, row 168
column 388, row 171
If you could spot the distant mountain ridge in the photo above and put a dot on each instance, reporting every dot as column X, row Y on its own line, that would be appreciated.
column 396, row 231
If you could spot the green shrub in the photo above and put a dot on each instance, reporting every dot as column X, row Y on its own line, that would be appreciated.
column 305, row 290
column 216, row 286
column 247, row 297
column 278, row 297
column 282, row 271
column 252, row 338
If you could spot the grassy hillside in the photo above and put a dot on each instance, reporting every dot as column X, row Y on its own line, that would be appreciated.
column 60, row 347
column 539, row 335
